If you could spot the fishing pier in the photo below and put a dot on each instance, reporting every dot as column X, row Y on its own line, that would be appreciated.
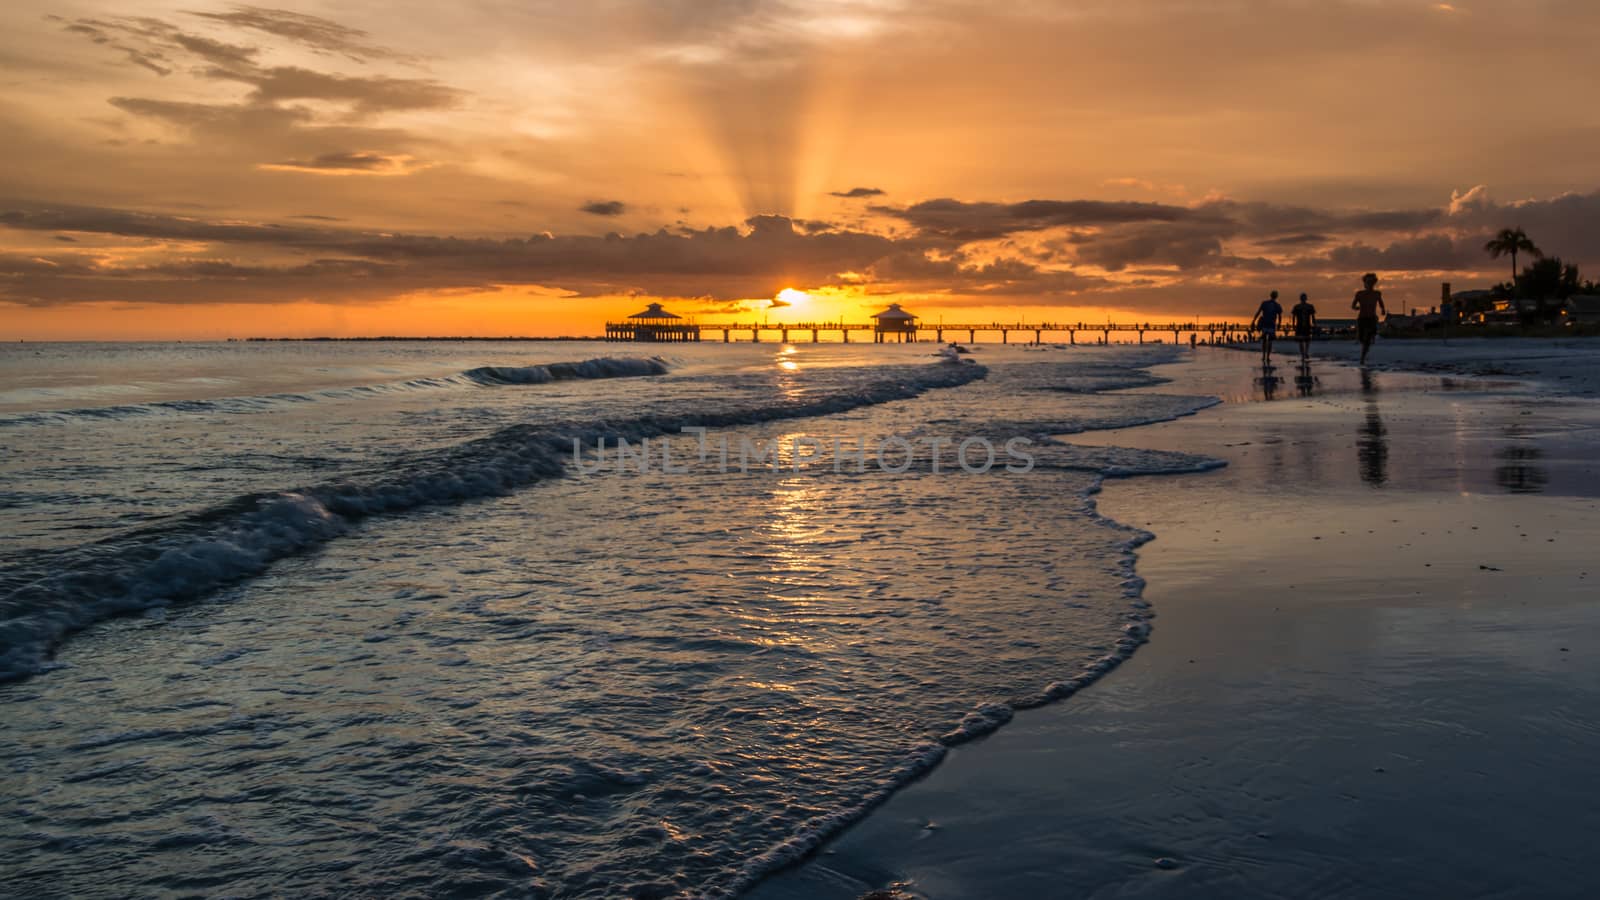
column 896, row 325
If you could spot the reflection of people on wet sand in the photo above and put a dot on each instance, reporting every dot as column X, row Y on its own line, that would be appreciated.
column 1372, row 442
column 1305, row 382
column 1269, row 385
column 1266, row 318
column 1304, row 316
column 1368, row 304
column 1521, row 472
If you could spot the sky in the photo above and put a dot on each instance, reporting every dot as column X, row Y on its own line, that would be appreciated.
column 197, row 170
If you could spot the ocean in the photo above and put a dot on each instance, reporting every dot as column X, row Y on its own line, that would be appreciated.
column 552, row 619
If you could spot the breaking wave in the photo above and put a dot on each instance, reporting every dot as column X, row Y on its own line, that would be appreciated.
column 52, row 594
column 482, row 376
column 603, row 367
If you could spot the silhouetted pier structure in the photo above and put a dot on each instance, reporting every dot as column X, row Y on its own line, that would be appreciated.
column 653, row 325
column 896, row 325
column 814, row 331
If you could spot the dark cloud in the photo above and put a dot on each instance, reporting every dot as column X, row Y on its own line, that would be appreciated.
column 1209, row 246
column 363, row 162
column 1431, row 252
column 1271, row 220
column 1295, row 240
column 343, row 161
column 367, row 95
column 313, row 32
column 101, row 32
column 1183, row 246
column 1567, row 225
column 962, row 221
column 724, row 263
column 264, row 262
column 161, row 47
column 217, row 53
column 604, row 208
column 856, row 192
column 222, row 119
column 1562, row 226
column 273, row 117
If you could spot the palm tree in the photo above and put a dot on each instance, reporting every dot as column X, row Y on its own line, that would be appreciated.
column 1512, row 241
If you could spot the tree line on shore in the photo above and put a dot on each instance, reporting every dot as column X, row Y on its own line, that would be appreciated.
column 1547, row 280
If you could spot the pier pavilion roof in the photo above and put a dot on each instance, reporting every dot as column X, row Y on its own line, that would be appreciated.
column 654, row 311
column 894, row 313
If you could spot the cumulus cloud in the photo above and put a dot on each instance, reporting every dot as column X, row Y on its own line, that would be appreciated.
column 1453, row 239
column 857, row 192
column 1429, row 252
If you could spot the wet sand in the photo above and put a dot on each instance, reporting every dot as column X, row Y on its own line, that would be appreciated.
column 1375, row 669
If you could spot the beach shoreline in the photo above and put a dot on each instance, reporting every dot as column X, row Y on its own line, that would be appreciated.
column 1565, row 364
column 1339, row 664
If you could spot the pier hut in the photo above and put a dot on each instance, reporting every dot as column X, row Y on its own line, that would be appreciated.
column 893, row 322
column 651, row 325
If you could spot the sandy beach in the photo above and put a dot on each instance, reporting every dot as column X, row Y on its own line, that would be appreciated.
column 1373, row 672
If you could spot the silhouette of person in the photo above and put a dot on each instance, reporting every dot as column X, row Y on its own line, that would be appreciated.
column 1266, row 318
column 1304, row 316
column 1368, row 304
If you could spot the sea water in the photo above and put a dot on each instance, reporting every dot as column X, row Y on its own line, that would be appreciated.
column 398, row 619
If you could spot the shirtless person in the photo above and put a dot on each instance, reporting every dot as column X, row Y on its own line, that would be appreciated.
column 1368, row 304
column 1266, row 319
column 1304, row 316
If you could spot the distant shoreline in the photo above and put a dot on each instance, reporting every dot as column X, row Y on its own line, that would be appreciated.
column 426, row 338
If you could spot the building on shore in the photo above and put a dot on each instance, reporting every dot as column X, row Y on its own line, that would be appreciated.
column 653, row 324
column 1581, row 309
column 892, row 323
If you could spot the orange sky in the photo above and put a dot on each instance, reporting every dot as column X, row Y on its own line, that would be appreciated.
column 211, row 170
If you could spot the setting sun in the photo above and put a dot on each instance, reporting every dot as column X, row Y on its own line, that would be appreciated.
column 790, row 297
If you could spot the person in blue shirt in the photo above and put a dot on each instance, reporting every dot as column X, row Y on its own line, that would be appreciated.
column 1266, row 319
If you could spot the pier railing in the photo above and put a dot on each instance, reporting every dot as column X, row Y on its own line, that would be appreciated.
column 1225, row 331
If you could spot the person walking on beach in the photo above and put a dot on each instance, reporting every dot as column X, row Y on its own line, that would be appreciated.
column 1304, row 316
column 1368, row 304
column 1266, row 319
